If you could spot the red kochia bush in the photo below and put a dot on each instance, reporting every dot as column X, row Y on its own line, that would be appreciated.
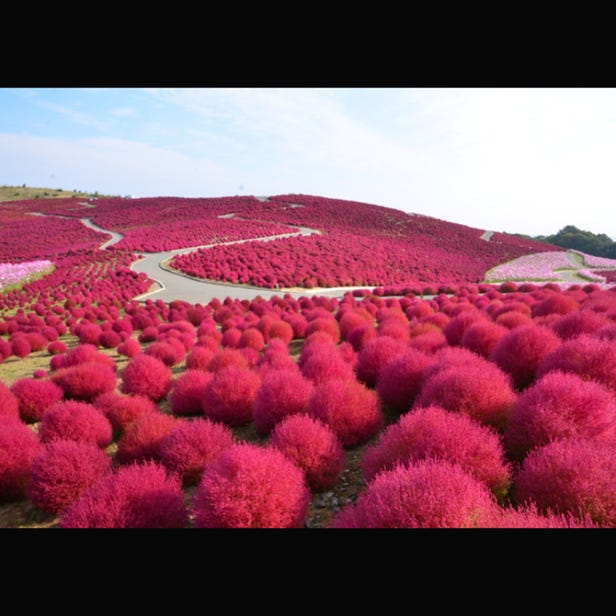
column 75, row 421
column 520, row 351
column 349, row 408
column 87, row 353
column 586, row 356
column 313, row 447
column 249, row 486
column 482, row 337
column 9, row 403
column 374, row 355
column 192, row 445
column 230, row 394
column 85, row 381
column 35, row 396
column 19, row 446
column 199, row 358
column 428, row 494
column 482, row 392
column 121, row 410
column 143, row 437
column 281, row 393
column 400, row 379
column 322, row 362
column 225, row 358
column 129, row 348
column 63, row 471
column 186, row 397
column 147, row 376
column 433, row 432
column 529, row 517
column 581, row 322
column 576, row 476
column 135, row 496
column 560, row 405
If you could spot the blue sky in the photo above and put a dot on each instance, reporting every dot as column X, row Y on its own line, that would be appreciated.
column 517, row 160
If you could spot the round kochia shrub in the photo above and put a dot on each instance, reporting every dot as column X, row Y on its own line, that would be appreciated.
column 320, row 362
column 433, row 432
column 9, row 403
column 35, row 396
column 146, row 376
column 121, row 410
column 281, row 393
column 229, row 396
column 560, row 405
column 186, row 397
column 374, row 355
column 143, row 437
column 19, row 446
column 192, row 445
column 75, row 421
column 586, row 356
column 85, row 381
column 313, row 447
column 576, row 476
column 481, row 337
column 520, row 352
column 63, row 471
column 482, row 392
column 249, row 486
column 135, row 496
column 400, row 379
column 349, row 408
column 428, row 494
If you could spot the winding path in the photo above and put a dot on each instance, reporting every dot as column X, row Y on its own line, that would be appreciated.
column 175, row 285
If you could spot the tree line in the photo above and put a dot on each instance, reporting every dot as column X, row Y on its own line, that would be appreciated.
column 598, row 244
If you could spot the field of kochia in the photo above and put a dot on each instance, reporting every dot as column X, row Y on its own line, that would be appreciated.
column 427, row 399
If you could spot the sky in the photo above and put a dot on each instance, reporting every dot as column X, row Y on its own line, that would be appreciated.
column 520, row 160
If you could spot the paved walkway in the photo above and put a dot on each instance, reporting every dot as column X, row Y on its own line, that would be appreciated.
column 170, row 285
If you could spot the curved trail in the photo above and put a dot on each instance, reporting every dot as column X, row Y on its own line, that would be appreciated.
column 175, row 285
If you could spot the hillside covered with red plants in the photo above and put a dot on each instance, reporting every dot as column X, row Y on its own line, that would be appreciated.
column 480, row 406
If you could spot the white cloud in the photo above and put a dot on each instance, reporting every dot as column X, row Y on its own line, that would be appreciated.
column 111, row 166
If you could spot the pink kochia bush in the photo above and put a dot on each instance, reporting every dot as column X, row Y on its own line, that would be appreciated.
column 312, row 446
column 520, row 352
column 121, row 410
column 147, row 376
column 75, row 421
column 576, row 476
column 186, row 397
column 142, row 495
column 586, row 356
column 9, row 402
column 63, row 471
column 400, row 379
column 35, row 396
column 85, row 381
column 143, row 437
column 560, row 405
column 229, row 396
column 192, row 445
column 427, row 494
column 349, row 408
column 374, row 355
column 481, row 392
column 19, row 446
column 249, row 486
column 433, row 432
column 321, row 362
column 280, row 394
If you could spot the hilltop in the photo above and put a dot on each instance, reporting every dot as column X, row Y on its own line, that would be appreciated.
column 23, row 192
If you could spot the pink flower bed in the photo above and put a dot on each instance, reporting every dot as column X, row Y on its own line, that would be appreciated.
column 13, row 273
column 542, row 266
